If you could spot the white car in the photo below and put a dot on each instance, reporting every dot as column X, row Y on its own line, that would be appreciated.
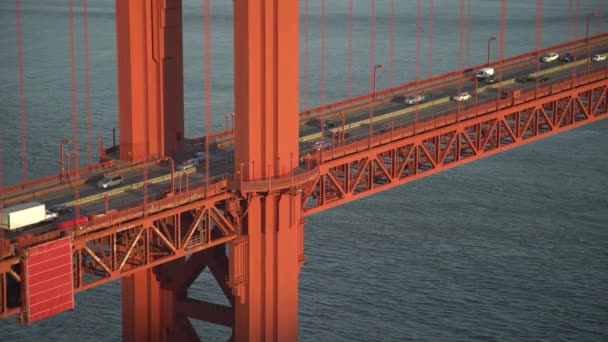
column 414, row 99
column 550, row 57
column 599, row 58
column 464, row 96
column 321, row 146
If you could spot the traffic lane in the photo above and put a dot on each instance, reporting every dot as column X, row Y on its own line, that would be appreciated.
column 454, row 106
column 465, row 84
column 509, row 70
column 89, row 188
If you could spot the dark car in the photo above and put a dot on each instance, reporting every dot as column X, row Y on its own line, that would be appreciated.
column 567, row 57
column 543, row 79
column 491, row 79
column 530, row 79
column 328, row 124
column 60, row 209
column 525, row 79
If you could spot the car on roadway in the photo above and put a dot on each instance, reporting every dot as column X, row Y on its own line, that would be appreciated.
column 411, row 100
column 490, row 79
column 529, row 79
column 187, row 164
column 327, row 124
column 550, row 57
column 462, row 96
column 599, row 57
column 567, row 57
column 317, row 146
column 110, row 181
column 60, row 209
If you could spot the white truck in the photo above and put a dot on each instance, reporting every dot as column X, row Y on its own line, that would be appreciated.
column 25, row 214
column 484, row 73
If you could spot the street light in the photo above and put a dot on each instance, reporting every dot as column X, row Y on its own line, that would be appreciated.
column 376, row 67
column 172, row 172
column 489, row 46
column 588, row 21
column 62, row 153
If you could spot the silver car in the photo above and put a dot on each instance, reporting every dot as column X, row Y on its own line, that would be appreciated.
column 110, row 181
column 414, row 99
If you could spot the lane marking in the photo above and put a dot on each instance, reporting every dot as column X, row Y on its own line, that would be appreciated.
column 440, row 101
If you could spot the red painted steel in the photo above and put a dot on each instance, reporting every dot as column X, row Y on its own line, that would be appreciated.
column 354, row 171
column 265, row 259
column 87, row 61
column 47, row 280
column 431, row 32
column 150, row 78
column 260, row 219
column 72, row 223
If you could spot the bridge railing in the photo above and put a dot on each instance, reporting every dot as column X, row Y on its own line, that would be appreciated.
column 411, row 125
column 54, row 179
column 346, row 104
column 286, row 181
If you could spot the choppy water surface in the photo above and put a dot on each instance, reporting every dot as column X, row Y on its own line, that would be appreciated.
column 511, row 248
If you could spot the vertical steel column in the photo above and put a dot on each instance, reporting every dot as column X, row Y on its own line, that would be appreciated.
column 150, row 78
column 147, row 308
column 264, row 269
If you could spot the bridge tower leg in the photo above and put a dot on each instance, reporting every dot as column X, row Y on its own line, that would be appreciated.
column 150, row 78
column 265, row 262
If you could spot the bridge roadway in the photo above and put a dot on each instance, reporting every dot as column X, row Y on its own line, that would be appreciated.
column 94, row 201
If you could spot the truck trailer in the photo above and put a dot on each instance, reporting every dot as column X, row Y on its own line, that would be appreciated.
column 23, row 215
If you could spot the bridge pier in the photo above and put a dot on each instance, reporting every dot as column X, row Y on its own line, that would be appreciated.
column 265, row 270
column 265, row 261
column 156, row 306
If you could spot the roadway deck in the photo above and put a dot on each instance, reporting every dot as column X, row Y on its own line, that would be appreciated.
column 389, row 112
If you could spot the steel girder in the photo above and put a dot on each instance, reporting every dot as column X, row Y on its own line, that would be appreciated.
column 101, row 256
column 354, row 172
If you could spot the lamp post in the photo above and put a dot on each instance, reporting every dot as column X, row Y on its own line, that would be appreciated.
column 592, row 14
column 172, row 173
column 376, row 67
column 62, row 154
column 489, row 47
column 227, row 122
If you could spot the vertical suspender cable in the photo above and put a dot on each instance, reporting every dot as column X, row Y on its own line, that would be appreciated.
column 599, row 16
column 576, row 14
column 418, row 34
column 503, row 32
column 468, row 33
column 208, row 122
column 22, row 93
column 539, row 33
column 372, row 62
column 503, row 29
column 350, row 49
column 461, row 45
column 431, row 28
column 323, row 59
column 88, row 82
column 569, row 37
column 74, row 82
column 306, row 54
column 392, row 48
column 74, row 107
column 323, row 48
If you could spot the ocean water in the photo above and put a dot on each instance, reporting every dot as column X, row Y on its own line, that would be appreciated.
column 510, row 248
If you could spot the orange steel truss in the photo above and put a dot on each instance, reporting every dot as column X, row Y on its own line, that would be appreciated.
column 248, row 230
column 354, row 171
column 150, row 249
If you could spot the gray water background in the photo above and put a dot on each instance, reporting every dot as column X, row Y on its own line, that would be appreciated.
column 510, row 248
